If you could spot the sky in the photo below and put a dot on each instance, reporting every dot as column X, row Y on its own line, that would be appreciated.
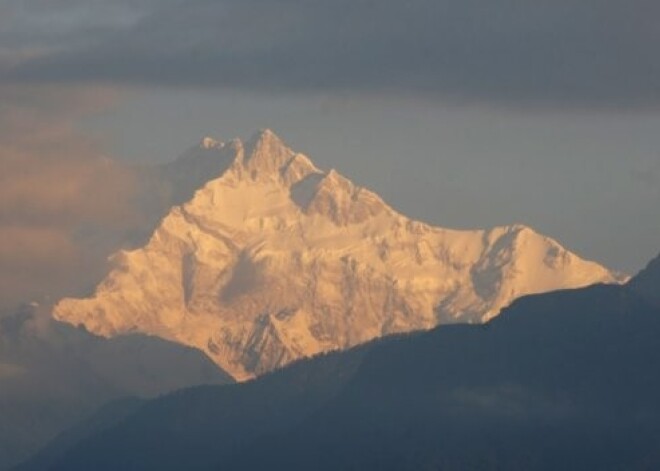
column 465, row 114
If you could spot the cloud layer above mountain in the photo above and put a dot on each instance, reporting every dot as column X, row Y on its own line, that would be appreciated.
column 559, row 53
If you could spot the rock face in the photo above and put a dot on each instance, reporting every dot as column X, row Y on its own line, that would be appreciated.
column 275, row 260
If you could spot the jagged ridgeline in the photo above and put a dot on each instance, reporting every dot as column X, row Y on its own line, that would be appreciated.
column 273, row 259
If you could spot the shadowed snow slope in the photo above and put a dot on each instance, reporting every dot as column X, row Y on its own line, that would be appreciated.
column 275, row 260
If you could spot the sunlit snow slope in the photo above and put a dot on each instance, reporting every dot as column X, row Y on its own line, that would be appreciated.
column 275, row 260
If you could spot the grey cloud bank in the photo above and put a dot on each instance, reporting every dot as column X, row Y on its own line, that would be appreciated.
column 592, row 53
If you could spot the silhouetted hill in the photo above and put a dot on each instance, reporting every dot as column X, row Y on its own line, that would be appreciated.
column 647, row 282
column 53, row 375
column 105, row 417
column 565, row 380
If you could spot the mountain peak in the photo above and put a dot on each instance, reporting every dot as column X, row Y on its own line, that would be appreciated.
column 264, row 140
column 266, row 153
column 297, row 169
column 210, row 143
column 343, row 202
column 265, row 134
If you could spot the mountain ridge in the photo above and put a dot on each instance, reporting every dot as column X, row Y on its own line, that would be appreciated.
column 647, row 281
column 561, row 380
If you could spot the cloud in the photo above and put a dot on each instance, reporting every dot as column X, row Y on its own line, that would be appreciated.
column 63, row 204
column 592, row 53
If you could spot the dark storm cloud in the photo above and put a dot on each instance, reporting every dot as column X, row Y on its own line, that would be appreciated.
column 556, row 52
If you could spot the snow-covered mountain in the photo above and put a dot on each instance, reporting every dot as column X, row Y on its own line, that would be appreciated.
column 273, row 260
